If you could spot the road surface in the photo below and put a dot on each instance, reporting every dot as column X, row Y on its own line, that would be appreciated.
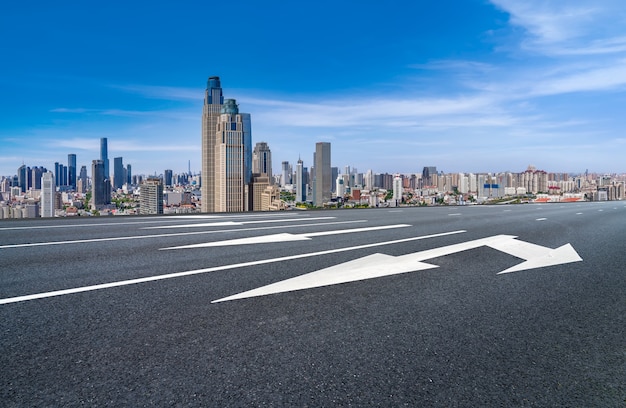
column 513, row 305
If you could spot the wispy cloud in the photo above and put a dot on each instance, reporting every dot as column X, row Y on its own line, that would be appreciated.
column 163, row 92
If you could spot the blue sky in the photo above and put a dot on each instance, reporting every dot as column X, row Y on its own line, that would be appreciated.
column 467, row 85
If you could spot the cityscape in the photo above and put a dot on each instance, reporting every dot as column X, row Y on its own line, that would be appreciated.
column 239, row 176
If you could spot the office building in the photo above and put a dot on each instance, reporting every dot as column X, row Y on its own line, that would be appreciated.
column 300, row 182
column 323, row 181
column 213, row 101
column 259, row 184
column 151, row 196
column 71, row 171
column 48, row 194
column 167, row 177
column 104, row 156
column 232, row 176
column 118, row 173
column 23, row 174
column 100, row 186
column 262, row 160
column 81, row 185
column 285, row 177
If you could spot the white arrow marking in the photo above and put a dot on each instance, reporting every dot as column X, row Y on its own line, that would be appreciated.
column 377, row 265
column 284, row 237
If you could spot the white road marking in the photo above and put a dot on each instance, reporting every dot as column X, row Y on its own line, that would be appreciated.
column 169, row 218
column 174, row 234
column 230, row 223
column 284, row 237
column 579, row 213
column 213, row 269
column 541, row 219
column 455, row 214
column 377, row 265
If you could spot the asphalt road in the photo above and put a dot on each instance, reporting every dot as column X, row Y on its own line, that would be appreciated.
column 135, row 312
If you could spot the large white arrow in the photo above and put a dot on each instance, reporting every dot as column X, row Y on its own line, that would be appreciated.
column 377, row 265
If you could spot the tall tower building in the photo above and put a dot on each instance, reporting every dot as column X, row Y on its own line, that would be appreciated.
column 82, row 180
column 213, row 101
column 100, row 185
column 262, row 160
column 323, row 179
column 167, row 177
column 300, row 184
column 71, row 171
column 118, row 173
column 232, row 175
column 285, row 177
column 151, row 197
column 48, row 192
column 104, row 155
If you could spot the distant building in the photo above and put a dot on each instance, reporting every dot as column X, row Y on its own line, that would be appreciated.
column 151, row 197
column 259, row 184
column 262, row 160
column 100, row 186
column 71, row 171
column 323, row 181
column 104, row 156
column 167, row 177
column 118, row 173
column 48, row 193
column 300, row 182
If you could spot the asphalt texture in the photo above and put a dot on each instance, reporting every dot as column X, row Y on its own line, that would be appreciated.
column 460, row 335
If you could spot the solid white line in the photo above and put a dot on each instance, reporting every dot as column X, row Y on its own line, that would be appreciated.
column 218, row 224
column 176, row 234
column 170, row 218
column 213, row 269
column 541, row 219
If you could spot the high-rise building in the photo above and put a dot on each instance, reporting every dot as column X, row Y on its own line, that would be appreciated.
column 323, row 179
column 100, row 186
column 300, row 182
column 285, row 177
column 232, row 176
column 48, row 192
column 151, row 196
column 104, row 155
column 36, row 174
column 71, row 171
column 81, row 185
column 213, row 101
column 167, row 177
column 262, row 160
column 23, row 173
column 118, row 173
column 129, row 174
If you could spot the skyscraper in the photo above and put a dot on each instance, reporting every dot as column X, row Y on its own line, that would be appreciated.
column 167, row 177
column 104, row 156
column 118, row 173
column 300, row 185
column 323, row 179
column 151, row 197
column 48, row 192
column 232, row 171
column 100, row 185
column 213, row 101
column 262, row 160
column 71, row 171
column 82, row 180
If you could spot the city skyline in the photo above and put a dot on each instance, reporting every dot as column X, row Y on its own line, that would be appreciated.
column 484, row 86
